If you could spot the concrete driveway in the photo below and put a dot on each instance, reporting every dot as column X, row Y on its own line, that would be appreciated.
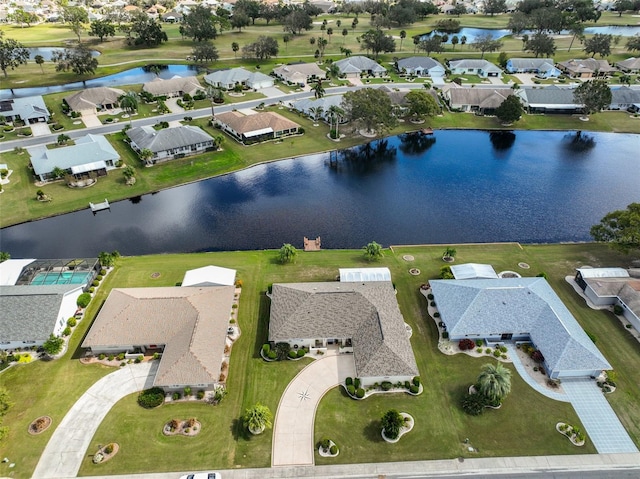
column 40, row 129
column 69, row 443
column 91, row 120
column 294, row 422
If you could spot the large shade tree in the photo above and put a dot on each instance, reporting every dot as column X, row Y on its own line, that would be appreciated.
column 421, row 104
column 595, row 95
column 12, row 54
column 370, row 107
column 79, row 60
column 494, row 382
column 75, row 17
column 510, row 110
column 376, row 41
column 621, row 229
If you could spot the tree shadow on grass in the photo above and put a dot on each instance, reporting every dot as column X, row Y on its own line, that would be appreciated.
column 239, row 431
column 372, row 431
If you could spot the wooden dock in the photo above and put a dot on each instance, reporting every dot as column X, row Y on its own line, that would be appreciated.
column 312, row 245
column 95, row 207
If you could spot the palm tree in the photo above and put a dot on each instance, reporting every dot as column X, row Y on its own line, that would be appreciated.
column 129, row 103
column 403, row 35
column 235, row 47
column 333, row 70
column 392, row 422
column 335, row 113
column 287, row 253
column 213, row 94
column 463, row 40
column 494, row 382
column 316, row 111
column 318, row 89
column 39, row 60
column 145, row 155
column 257, row 418
column 373, row 251
column 62, row 139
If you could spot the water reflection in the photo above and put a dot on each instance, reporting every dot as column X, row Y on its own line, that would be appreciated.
column 415, row 144
column 502, row 140
column 368, row 157
column 579, row 142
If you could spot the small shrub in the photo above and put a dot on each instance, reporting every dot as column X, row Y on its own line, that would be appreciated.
column 187, row 391
column 496, row 353
column 416, row 381
column 176, row 396
column 103, row 272
column 333, row 450
column 139, row 359
column 92, row 289
column 156, row 356
column 111, row 357
column 503, row 349
column 266, row 349
column 466, row 344
column 99, row 277
column 272, row 355
column 414, row 389
column 348, row 381
column 407, row 385
column 83, row 300
column 386, row 386
column 503, row 356
column 628, row 326
column 101, row 357
column 432, row 304
column 301, row 352
column 430, row 296
column 151, row 398
column 325, row 443
column 437, row 315
column 67, row 331
column 293, row 354
column 479, row 342
column 356, row 382
column 617, row 310
column 108, row 448
column 200, row 394
column 445, row 335
column 537, row 356
column 238, row 283
column 487, row 351
column 360, row 393
column 120, row 356
column 95, row 283
column 474, row 404
column 71, row 322
column 479, row 350
column 351, row 390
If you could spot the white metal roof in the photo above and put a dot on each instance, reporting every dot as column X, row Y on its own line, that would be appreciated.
column 96, row 165
column 261, row 131
column 603, row 273
column 473, row 271
column 209, row 275
column 357, row 275
column 10, row 270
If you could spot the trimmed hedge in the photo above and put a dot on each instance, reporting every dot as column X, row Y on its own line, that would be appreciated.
column 386, row 386
column 83, row 300
column 151, row 398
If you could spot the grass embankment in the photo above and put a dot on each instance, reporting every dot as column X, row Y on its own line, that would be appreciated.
column 523, row 426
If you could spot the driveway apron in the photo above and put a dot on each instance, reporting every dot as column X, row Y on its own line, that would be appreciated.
column 294, row 421
column 600, row 421
column 69, row 443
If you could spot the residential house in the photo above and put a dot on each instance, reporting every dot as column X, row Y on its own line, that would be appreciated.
column 481, row 68
column 30, row 314
column 209, row 276
column 318, row 107
column 549, row 99
column 170, row 143
column 473, row 271
column 300, row 73
column 542, row 67
column 476, row 99
column 361, row 318
column 625, row 98
column 228, row 79
column 93, row 100
column 172, row 17
column 188, row 326
column 176, row 86
column 255, row 128
column 420, row 66
column 31, row 109
column 519, row 310
column 91, row 153
column 586, row 68
column 356, row 66
column 630, row 65
column 612, row 286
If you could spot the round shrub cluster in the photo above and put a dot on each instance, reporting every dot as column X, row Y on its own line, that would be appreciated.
column 150, row 398
column 83, row 300
column 360, row 393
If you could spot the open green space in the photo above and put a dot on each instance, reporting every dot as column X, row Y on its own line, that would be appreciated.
column 523, row 426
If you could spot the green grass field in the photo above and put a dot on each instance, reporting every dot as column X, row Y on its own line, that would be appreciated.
column 523, row 426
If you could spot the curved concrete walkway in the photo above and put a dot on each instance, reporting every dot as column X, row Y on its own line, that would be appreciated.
column 69, row 443
column 513, row 354
column 294, row 421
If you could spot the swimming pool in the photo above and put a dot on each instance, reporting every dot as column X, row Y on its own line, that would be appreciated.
column 55, row 277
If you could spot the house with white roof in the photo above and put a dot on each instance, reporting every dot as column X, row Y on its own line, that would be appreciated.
column 542, row 67
column 210, row 276
column 31, row 109
column 354, row 67
column 612, row 286
column 170, row 143
column 300, row 73
column 519, row 309
column 30, row 314
column 359, row 318
column 481, row 68
column 359, row 275
column 421, row 66
column 231, row 77
column 91, row 153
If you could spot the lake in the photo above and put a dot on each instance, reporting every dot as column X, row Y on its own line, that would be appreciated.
column 453, row 187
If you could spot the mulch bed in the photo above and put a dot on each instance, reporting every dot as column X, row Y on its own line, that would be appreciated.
column 183, row 429
column 40, row 425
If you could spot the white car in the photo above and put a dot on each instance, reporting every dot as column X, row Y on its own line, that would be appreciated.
column 203, row 475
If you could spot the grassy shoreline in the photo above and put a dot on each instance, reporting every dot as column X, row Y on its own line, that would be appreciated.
column 519, row 428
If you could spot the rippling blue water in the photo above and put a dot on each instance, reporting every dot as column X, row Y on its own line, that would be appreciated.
column 468, row 186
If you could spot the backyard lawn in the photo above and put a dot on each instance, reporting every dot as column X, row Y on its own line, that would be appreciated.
column 523, row 426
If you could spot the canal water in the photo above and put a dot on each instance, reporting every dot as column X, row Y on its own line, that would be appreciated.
column 452, row 187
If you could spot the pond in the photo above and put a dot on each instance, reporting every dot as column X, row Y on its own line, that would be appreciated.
column 127, row 77
column 472, row 34
column 47, row 52
column 453, row 187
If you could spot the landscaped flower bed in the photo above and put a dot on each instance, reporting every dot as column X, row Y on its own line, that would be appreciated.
column 40, row 425
column 574, row 434
column 188, row 427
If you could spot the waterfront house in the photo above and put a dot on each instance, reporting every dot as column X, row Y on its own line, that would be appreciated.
column 625, row 98
column 230, row 78
column 542, row 67
column 359, row 318
column 255, row 128
column 188, row 326
column 481, row 68
column 549, row 99
column 93, row 100
column 299, row 73
column 586, row 68
column 31, row 109
column 612, row 286
column 357, row 66
column 318, row 107
column 30, row 314
column 421, row 66
column 519, row 310
column 630, row 65
column 170, row 143
column 173, row 87
column 91, row 153
column 481, row 100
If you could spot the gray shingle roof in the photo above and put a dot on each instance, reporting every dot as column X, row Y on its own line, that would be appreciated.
column 158, row 86
column 518, row 305
column 482, row 97
column 26, row 107
column 550, row 95
column 235, row 75
column 629, row 64
column 167, row 138
column 532, row 63
column 419, row 62
column 190, row 322
column 367, row 313
column 624, row 95
column 473, row 63
column 29, row 313
column 358, row 64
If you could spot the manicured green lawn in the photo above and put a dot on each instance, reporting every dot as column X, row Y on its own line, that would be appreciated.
column 523, row 426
